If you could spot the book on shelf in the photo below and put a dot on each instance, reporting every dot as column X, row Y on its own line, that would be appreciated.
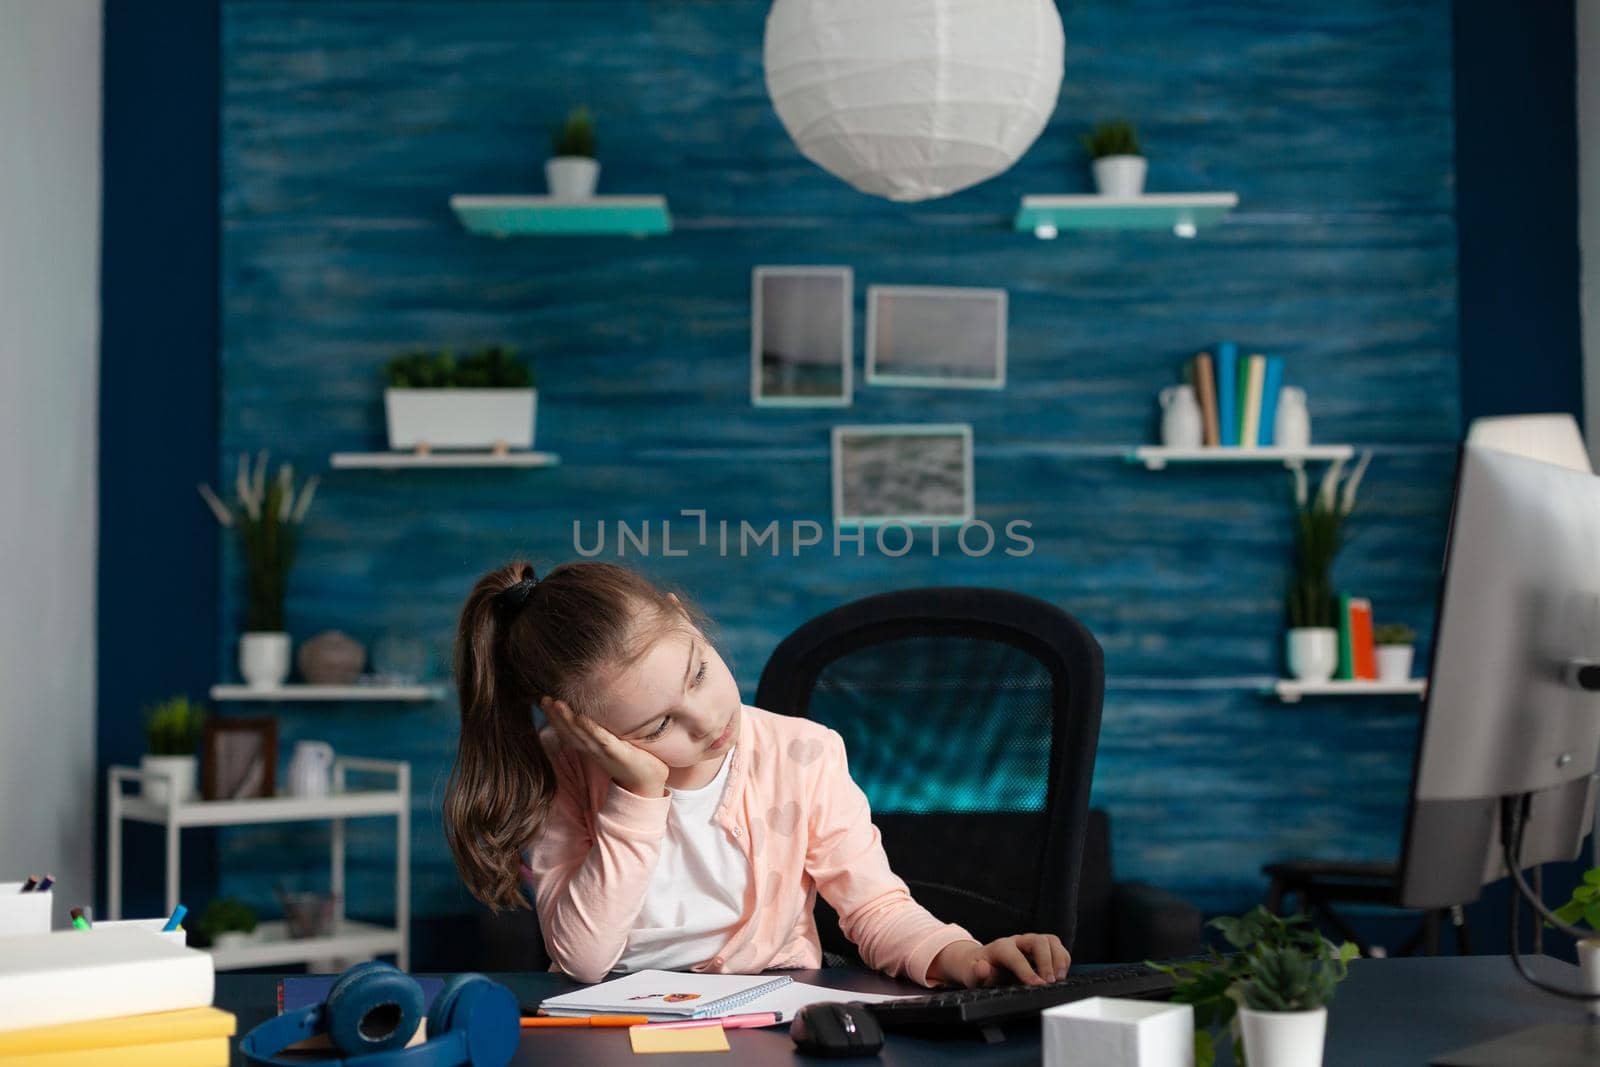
column 1228, row 394
column 1205, row 387
column 1271, row 385
column 1254, row 370
column 1363, row 653
column 1343, row 671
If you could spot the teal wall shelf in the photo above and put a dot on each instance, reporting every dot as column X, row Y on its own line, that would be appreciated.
column 1183, row 213
column 543, row 216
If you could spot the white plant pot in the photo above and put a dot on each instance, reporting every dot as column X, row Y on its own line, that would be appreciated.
column 1589, row 966
column 180, row 771
column 571, row 177
column 461, row 418
column 1283, row 1038
column 1121, row 176
column 231, row 939
column 1394, row 662
column 1313, row 653
column 264, row 659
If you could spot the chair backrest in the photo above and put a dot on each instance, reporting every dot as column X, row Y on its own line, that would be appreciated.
column 970, row 717
column 1549, row 438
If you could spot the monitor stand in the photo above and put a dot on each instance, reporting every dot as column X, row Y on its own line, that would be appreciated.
column 1551, row 1045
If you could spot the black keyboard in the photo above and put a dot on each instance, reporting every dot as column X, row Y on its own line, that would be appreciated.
column 999, row 1004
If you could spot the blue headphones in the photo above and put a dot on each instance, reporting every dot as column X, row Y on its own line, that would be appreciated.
column 373, row 1010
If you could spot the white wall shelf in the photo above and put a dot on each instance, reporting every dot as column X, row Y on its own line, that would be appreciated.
column 351, row 941
column 1182, row 213
column 1291, row 691
column 544, row 216
column 284, row 693
column 414, row 461
column 1157, row 457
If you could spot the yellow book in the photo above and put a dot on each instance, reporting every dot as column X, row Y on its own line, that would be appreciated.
column 152, row 1028
column 201, row 1052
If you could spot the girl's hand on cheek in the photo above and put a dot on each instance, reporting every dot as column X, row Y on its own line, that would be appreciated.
column 629, row 766
column 1032, row 959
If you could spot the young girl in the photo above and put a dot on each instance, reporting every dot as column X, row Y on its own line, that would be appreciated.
column 667, row 824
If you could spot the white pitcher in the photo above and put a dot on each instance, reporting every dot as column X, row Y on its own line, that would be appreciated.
column 311, row 769
column 1291, row 428
column 1180, row 417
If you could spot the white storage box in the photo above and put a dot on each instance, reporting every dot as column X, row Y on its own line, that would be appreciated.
column 1111, row 1032
column 24, row 913
column 177, row 937
column 461, row 418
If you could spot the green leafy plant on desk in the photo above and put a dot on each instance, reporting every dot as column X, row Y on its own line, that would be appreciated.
column 1278, row 964
column 1583, row 907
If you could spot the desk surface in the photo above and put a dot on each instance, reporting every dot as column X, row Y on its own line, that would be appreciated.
column 1389, row 1013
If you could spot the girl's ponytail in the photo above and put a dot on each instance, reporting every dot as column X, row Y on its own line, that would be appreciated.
column 502, row 781
column 521, row 638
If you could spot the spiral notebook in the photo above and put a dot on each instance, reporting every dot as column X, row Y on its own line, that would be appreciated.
column 687, row 995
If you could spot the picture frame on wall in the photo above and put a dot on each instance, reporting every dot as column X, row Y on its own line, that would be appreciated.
column 239, row 758
column 936, row 337
column 801, row 332
column 916, row 474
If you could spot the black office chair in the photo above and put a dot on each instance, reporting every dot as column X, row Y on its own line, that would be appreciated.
column 971, row 718
column 1320, row 884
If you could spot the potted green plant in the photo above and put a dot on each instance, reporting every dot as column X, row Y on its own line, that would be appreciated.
column 227, row 923
column 1270, row 994
column 268, row 518
column 1582, row 909
column 572, row 170
column 1396, row 649
column 172, row 732
column 486, row 400
column 1312, row 606
column 1119, row 165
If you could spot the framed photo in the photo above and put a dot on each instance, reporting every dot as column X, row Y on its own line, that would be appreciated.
column 936, row 337
column 915, row 474
column 240, row 758
column 801, row 326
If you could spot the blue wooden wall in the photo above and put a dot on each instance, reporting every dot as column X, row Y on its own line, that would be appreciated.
column 346, row 126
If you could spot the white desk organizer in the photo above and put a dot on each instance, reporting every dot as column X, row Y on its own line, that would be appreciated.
column 24, row 913
column 177, row 937
column 1110, row 1032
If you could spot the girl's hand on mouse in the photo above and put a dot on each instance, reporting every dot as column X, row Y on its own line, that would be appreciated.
column 1032, row 959
column 629, row 766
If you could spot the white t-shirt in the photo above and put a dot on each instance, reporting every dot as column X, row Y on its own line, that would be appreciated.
column 696, row 894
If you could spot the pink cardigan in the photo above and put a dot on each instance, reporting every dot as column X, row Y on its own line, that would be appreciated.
column 803, row 823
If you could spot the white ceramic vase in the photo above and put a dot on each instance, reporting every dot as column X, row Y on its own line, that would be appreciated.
column 1180, row 417
column 571, row 177
column 1589, row 966
column 264, row 659
column 1121, row 176
column 1291, row 426
column 1283, row 1038
column 179, row 771
column 1313, row 652
column 1394, row 662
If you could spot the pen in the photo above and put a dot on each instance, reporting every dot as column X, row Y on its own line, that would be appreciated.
column 727, row 1022
column 539, row 1022
column 28, row 886
column 49, row 880
column 177, row 917
column 78, row 920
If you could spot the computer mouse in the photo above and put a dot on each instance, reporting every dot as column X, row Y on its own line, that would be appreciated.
column 836, row 1030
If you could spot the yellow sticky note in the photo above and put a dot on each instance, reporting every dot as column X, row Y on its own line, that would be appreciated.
column 688, row 1039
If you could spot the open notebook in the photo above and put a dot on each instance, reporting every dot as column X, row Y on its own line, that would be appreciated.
column 686, row 995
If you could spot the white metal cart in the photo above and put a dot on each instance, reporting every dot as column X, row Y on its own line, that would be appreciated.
column 349, row 941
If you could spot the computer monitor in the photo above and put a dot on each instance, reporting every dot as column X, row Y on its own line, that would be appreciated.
column 1513, row 702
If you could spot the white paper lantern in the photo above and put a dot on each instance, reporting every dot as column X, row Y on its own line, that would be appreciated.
column 914, row 99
